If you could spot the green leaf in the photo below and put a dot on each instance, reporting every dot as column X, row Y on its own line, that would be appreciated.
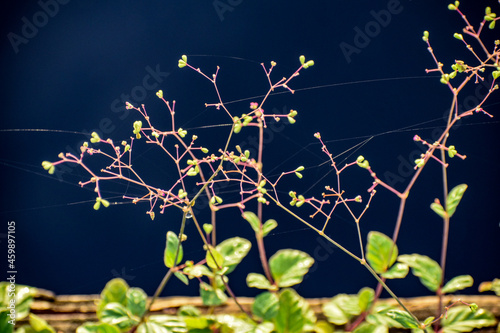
column 458, row 283
column 288, row 267
column 403, row 318
column 268, row 227
column 233, row 324
column 323, row 326
column 253, row 220
column 233, row 250
column 171, row 249
column 23, row 297
column 294, row 315
column 438, row 209
column 215, row 260
column 136, row 301
column 5, row 326
column 255, row 280
column 198, row 271
column 40, row 325
column 365, row 298
column 454, row 198
column 426, row 269
column 171, row 323
column 114, row 291
column 371, row 328
column 266, row 305
column 211, row 296
column 462, row 319
column 265, row 327
column 117, row 314
column 341, row 308
column 152, row 328
column 378, row 316
column 97, row 328
column 490, row 285
column 397, row 271
column 381, row 252
column 182, row 277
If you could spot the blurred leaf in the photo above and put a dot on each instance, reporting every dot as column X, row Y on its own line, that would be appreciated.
column 97, row 328
column 23, row 297
column 234, row 324
column 268, row 227
column 462, row 319
column 117, row 314
column 438, row 209
column 378, row 316
column 458, row 283
column 490, row 285
column 171, row 249
column 253, row 220
column 255, row 280
column 288, row 267
column 371, row 328
column 454, row 197
column 182, row 277
column 381, row 252
column 233, row 250
column 39, row 325
column 215, row 260
column 403, row 318
column 5, row 326
column 114, row 291
column 198, row 271
column 211, row 296
column 365, row 298
column 341, row 308
column 265, row 327
column 149, row 327
column 266, row 305
column 136, row 301
column 323, row 326
column 397, row 271
column 171, row 323
column 294, row 315
column 426, row 269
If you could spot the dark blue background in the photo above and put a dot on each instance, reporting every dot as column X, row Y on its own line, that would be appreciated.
column 70, row 76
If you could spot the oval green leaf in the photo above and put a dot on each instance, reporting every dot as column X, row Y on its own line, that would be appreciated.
column 454, row 198
column 255, row 280
column 215, row 260
column 268, row 227
column 458, row 283
column 233, row 250
column 253, row 220
column 462, row 319
column 136, row 301
column 381, row 252
column 288, row 267
column 266, row 305
column 97, row 328
column 294, row 314
column 427, row 270
column 171, row 250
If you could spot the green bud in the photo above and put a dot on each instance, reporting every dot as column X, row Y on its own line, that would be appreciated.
column 262, row 200
column 182, row 194
column 262, row 183
column 425, row 37
column 419, row 162
column 292, row 194
column 105, row 202
column 302, row 59
column 207, row 228
column 299, row 175
column 308, row 64
column 452, row 7
column 46, row 165
column 152, row 216
column 97, row 205
column 299, row 203
column 291, row 120
column 362, row 162
column 95, row 137
column 159, row 93
column 182, row 62
column 237, row 128
column 451, row 151
column 473, row 307
column 204, row 150
column 458, row 36
column 300, row 168
column 182, row 133
column 492, row 25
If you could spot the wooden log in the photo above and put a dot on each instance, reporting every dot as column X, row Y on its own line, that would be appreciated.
column 66, row 312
